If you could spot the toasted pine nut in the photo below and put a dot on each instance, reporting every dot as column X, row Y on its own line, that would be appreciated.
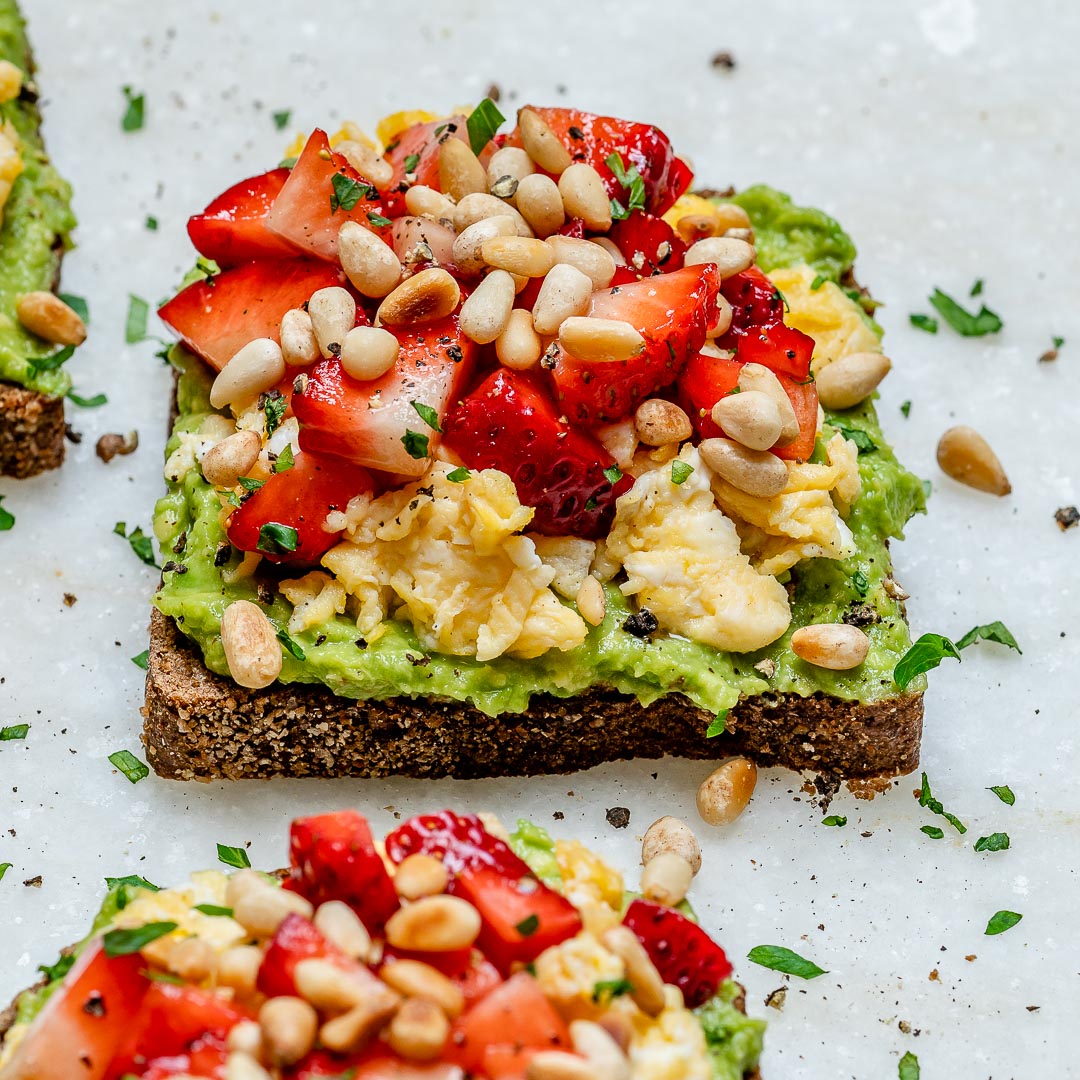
column 460, row 171
column 666, row 878
column 241, row 883
column 425, row 297
column 369, row 352
column 254, row 368
column 564, row 293
column 851, row 379
column 252, row 649
column 413, row 979
column 584, row 196
column 45, row 314
column 519, row 345
column 694, row 227
column 192, row 959
column 836, row 646
column 509, row 161
column 468, row 244
column 424, row 201
column 559, row 1065
column 541, row 143
column 591, row 258
column 757, row 472
column 540, row 204
column 518, row 255
column 225, row 463
column 670, row 834
column 750, row 418
column 288, row 1027
column 619, row 1026
column 590, row 601
column 333, row 312
column 731, row 216
column 659, row 422
column 238, row 968
column 966, row 456
column 610, row 247
column 648, row 986
column 741, row 234
column 731, row 256
column 341, row 926
column 370, row 263
column 298, row 345
column 434, row 924
column 419, row 1030
column 261, row 911
column 476, row 207
column 724, row 793
column 330, row 988
column 245, row 1037
column 723, row 317
column 420, row 875
column 760, row 378
column 599, row 1047
column 353, row 1030
column 241, row 1066
column 367, row 162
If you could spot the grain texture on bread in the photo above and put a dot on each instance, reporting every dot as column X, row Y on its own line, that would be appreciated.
column 201, row 726
column 31, row 431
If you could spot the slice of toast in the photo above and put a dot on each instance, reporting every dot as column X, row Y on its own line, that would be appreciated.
column 31, row 431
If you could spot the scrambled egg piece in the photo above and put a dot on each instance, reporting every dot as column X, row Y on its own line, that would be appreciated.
column 803, row 521
column 568, row 974
column 11, row 162
column 592, row 886
column 670, row 1046
column 683, row 562
column 826, row 313
column 448, row 558
column 570, row 558
column 316, row 598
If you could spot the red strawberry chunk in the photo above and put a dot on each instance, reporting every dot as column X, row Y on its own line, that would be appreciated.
column 294, row 940
column 418, row 148
column 781, row 348
column 459, row 840
column 754, row 299
column 648, row 244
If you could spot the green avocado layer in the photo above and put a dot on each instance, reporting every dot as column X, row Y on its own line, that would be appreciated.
column 37, row 221
column 823, row 590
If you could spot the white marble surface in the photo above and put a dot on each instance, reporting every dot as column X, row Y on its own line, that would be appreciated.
column 943, row 133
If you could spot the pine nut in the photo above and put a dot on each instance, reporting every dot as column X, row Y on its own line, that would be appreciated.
column 610, row 247
column 341, row 926
column 540, row 204
column 750, row 418
column 476, row 207
column 731, row 216
column 741, row 234
column 851, row 379
column 413, row 979
column 332, row 989
column 564, row 293
column 666, row 879
column 836, row 646
column 519, row 345
column 648, row 986
column 245, row 1037
column 298, row 345
column 559, row 1065
column 670, row 834
column 288, row 1028
column 693, row 227
column 966, row 456
column 333, row 314
column 731, row 256
column 241, row 884
column 584, row 196
column 541, row 143
column 425, row 297
column 366, row 162
column 420, row 875
column 493, row 826
column 509, row 161
column 419, row 1030
column 760, row 378
column 467, row 247
column 252, row 649
column 723, row 317
column 434, row 924
column 518, row 255
column 427, row 202
column 241, row 1066
column 238, row 968
column 619, row 1026
column 225, row 463
column 724, row 793
column 599, row 1048
column 658, row 422
column 255, row 368
column 46, row 315
column 590, row 600
column 369, row 262
column 193, row 959
column 460, row 171
column 261, row 911
column 353, row 1030
column 369, row 352
column 591, row 258
column 757, row 472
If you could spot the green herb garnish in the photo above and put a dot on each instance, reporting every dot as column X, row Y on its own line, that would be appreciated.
column 285, row 460
column 835, row 819
column 150, row 224
column 997, row 841
column 1004, row 793
column 142, row 660
column 618, row 211
column 924, row 322
column 126, row 942
column 905, row 408
column 482, row 123
column 777, row 958
column 996, row 631
column 977, row 288
column 347, row 192
column 135, row 114
column 925, row 655
column 135, row 327
column 717, row 725
column 132, row 881
column 140, row 543
column 862, row 441
column 607, row 989
column 282, row 118
column 77, row 304
column 680, row 471
column 1001, row 921
column 7, row 518
column 860, row 583
column 4, row 868
column 38, row 364
column 908, row 1068
column 277, row 539
column 429, row 415
column 926, row 798
column 129, row 765
column 233, row 856
column 249, row 483
column 818, row 282
column 963, row 322
column 290, row 645
column 411, row 163
column 630, row 179
column 87, row 402
column 55, row 972
column 274, row 405
column 933, row 831
column 458, row 475
column 215, row 909
column 613, row 474
column 378, row 220
column 14, row 732
column 416, row 445
column 528, row 926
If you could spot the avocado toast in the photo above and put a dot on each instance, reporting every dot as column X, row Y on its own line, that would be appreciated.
column 36, row 223
column 558, row 529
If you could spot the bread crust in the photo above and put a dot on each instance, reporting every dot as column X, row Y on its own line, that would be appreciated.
column 31, row 431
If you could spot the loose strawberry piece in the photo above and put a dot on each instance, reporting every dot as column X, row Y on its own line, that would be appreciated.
column 683, row 953
column 648, row 244
column 418, row 148
column 459, row 840
column 510, row 423
column 218, row 317
column 294, row 940
column 333, row 858
column 299, row 498
column 232, row 229
column 672, row 312
column 304, row 213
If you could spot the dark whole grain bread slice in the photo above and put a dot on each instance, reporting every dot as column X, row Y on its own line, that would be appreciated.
column 31, row 431
column 201, row 726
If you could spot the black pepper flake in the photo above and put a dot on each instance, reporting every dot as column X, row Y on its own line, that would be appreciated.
column 300, row 383
column 723, row 61
column 641, row 624
column 181, row 543
column 266, row 594
column 221, row 556
column 1067, row 517
column 455, row 353
column 861, row 615
column 576, row 132
column 334, row 348
column 618, row 817
column 361, row 643
column 94, row 1005
column 72, row 435
column 173, row 567
column 320, row 639
column 558, row 815
column 418, row 661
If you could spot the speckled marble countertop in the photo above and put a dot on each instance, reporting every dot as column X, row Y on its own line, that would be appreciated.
column 942, row 133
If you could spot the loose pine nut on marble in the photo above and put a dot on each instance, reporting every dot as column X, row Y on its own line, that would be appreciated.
column 725, row 792
column 964, row 455
column 671, row 834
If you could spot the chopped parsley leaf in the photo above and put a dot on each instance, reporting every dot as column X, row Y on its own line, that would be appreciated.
column 233, row 856
column 131, row 881
column 140, row 543
column 630, row 179
column 862, row 441
column 276, row 539
column 860, row 583
column 591, row 503
column 613, row 474
column 618, row 211
column 924, row 322
column 87, row 402
column 607, row 989
column 142, row 660
column 77, row 304
column 150, row 224
column 38, row 364
column 135, row 114
column 129, row 765
column 482, row 123
column 998, row 841
column 905, row 408
column 55, row 972
column 777, row 958
column 926, row 798
column 274, row 405
column 13, row 732
column 1004, row 793
column 347, row 192
column 933, row 831
column 135, row 327
column 680, row 471
column 908, row 1068
column 835, row 819
column 963, row 322
column 416, row 445
column 378, row 220
column 977, row 288
column 7, row 518
column 215, row 909
column 429, row 415
column 1001, row 921
column 528, row 926
column 458, row 475
column 292, row 647
column 126, row 942
column 1058, row 341
column 924, row 655
column 717, row 725
column 817, row 283
column 411, row 162
column 4, row 868
column 249, row 483
column 996, row 631
column 285, row 460
column 282, row 118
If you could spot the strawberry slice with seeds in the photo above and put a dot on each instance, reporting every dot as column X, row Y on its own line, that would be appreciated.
column 648, row 244
column 683, row 953
column 754, row 299
column 294, row 940
column 414, row 154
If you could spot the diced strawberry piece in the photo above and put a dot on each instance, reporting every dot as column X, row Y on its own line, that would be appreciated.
column 804, row 400
column 303, row 212
column 368, row 422
column 375, row 1063
column 510, row 423
column 754, row 299
column 232, row 229
column 418, row 147
column 299, row 498
column 177, row 1020
column 333, row 857
column 207, row 1059
column 672, row 312
column 477, row 980
column 218, row 317
column 574, row 228
column 459, row 840
column 648, row 244
column 781, row 348
column 683, row 953
column 294, row 940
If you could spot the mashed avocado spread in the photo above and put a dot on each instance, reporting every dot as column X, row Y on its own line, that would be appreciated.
column 395, row 664
column 37, row 220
